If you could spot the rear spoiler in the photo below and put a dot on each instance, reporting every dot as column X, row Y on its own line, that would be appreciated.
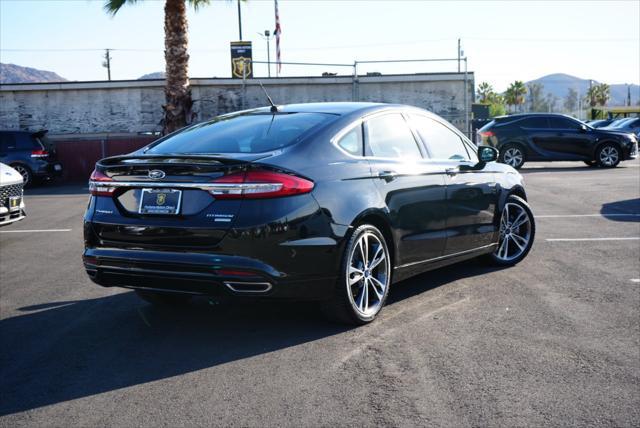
column 214, row 158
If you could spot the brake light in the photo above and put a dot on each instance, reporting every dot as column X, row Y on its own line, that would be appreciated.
column 487, row 134
column 39, row 154
column 259, row 184
column 94, row 184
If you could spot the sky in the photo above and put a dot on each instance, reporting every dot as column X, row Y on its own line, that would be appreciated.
column 503, row 40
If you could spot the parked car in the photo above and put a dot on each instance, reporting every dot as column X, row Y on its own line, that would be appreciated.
column 11, row 198
column 630, row 125
column 328, row 201
column 555, row 137
column 31, row 154
column 600, row 123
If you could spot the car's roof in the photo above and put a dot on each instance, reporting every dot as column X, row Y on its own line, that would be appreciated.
column 523, row 115
column 340, row 108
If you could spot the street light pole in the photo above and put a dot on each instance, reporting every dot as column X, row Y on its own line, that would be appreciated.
column 267, row 37
column 239, row 20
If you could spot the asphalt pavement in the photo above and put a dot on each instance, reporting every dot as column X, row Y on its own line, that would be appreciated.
column 554, row 341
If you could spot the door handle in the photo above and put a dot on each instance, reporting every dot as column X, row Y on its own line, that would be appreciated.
column 452, row 171
column 387, row 175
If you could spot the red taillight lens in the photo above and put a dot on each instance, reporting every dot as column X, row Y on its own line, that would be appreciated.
column 260, row 185
column 95, row 187
column 39, row 154
column 487, row 134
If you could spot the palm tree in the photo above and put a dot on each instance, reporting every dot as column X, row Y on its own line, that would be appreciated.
column 515, row 93
column 485, row 91
column 603, row 94
column 177, row 109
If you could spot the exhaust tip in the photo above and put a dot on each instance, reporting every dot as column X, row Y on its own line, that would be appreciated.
column 248, row 287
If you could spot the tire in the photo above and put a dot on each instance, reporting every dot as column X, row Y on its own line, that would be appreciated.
column 158, row 298
column 359, row 301
column 512, row 155
column 608, row 155
column 591, row 163
column 25, row 172
column 519, row 238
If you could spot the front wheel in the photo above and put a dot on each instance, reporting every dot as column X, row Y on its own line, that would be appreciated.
column 517, row 231
column 363, row 285
column 608, row 155
column 512, row 155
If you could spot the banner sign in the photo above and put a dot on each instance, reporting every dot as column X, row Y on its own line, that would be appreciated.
column 241, row 58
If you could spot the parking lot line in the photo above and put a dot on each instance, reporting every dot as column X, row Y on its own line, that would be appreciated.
column 627, row 238
column 588, row 215
column 35, row 230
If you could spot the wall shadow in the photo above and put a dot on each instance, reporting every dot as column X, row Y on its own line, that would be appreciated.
column 58, row 351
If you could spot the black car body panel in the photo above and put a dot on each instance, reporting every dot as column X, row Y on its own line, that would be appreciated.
column 553, row 137
column 432, row 212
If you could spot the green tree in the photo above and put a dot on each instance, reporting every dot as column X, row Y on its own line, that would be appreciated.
column 485, row 92
column 515, row 94
column 178, row 102
column 603, row 94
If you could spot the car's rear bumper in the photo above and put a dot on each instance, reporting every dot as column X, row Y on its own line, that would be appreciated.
column 204, row 274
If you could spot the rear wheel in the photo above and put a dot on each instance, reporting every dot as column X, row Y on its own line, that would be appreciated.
column 608, row 155
column 363, row 286
column 517, row 231
column 163, row 299
column 512, row 155
column 25, row 172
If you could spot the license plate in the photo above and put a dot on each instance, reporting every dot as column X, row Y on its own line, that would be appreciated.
column 14, row 203
column 160, row 201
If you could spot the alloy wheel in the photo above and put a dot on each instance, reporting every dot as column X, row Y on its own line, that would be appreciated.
column 24, row 172
column 368, row 274
column 515, row 232
column 609, row 156
column 513, row 157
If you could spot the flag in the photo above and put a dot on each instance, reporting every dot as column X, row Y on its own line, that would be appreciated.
column 277, row 32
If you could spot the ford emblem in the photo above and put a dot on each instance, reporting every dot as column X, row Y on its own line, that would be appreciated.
column 156, row 174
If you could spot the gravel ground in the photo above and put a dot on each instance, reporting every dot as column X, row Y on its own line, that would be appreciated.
column 552, row 341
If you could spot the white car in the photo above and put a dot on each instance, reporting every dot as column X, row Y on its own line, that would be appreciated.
column 11, row 195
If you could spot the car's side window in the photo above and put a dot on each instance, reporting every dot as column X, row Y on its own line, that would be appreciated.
column 442, row 142
column 389, row 136
column 562, row 123
column 351, row 142
column 534, row 122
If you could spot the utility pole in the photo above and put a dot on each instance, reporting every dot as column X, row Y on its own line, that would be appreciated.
column 628, row 95
column 459, row 55
column 107, row 63
column 267, row 35
column 239, row 20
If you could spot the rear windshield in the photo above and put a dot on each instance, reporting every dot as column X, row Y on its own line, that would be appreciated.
column 246, row 133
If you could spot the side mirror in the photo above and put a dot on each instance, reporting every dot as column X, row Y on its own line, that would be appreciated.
column 583, row 128
column 487, row 154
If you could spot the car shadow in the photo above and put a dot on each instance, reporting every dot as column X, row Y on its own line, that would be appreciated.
column 55, row 189
column 59, row 351
column 627, row 210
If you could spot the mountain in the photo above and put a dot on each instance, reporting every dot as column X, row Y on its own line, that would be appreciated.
column 558, row 85
column 150, row 76
column 11, row 73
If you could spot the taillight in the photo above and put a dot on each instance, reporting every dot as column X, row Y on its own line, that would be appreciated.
column 259, row 185
column 39, row 154
column 95, row 187
column 487, row 134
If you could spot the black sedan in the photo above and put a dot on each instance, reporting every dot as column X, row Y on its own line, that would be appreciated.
column 556, row 137
column 331, row 202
